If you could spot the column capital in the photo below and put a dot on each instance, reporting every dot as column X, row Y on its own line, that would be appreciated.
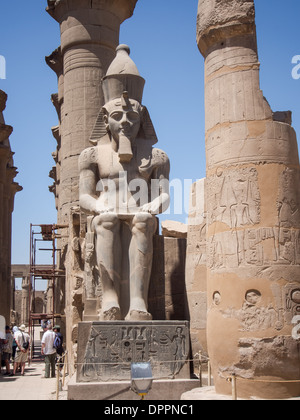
column 5, row 132
column 59, row 9
column 11, row 172
column 55, row 61
column 15, row 188
column 221, row 20
column 3, row 99
column 5, row 152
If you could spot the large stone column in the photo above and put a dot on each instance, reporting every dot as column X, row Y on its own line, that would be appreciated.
column 195, row 272
column 253, row 220
column 89, row 37
column 26, row 285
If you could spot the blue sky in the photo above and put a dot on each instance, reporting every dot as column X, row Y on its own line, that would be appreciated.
column 162, row 37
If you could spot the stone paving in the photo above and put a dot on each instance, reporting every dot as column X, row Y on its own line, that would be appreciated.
column 33, row 385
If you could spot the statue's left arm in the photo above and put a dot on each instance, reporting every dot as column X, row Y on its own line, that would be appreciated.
column 160, row 191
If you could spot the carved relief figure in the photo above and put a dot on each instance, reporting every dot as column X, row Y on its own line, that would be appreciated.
column 292, row 301
column 111, row 349
column 124, row 184
column 179, row 353
column 288, row 239
column 235, row 198
column 253, row 316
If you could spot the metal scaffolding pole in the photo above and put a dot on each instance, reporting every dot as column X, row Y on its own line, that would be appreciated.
column 48, row 272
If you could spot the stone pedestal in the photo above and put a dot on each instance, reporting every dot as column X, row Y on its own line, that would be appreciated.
column 91, row 308
column 162, row 390
column 107, row 349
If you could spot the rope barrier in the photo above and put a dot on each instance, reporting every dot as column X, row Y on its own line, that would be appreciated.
column 198, row 357
column 234, row 379
column 61, row 382
column 268, row 381
column 153, row 362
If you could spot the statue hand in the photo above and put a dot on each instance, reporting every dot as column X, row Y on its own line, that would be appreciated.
column 152, row 208
column 100, row 209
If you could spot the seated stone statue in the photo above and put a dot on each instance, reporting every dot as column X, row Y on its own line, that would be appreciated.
column 124, row 184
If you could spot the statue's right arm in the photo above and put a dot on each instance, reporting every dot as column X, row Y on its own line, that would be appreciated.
column 88, row 181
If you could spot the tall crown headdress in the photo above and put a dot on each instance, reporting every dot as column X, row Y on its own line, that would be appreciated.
column 123, row 76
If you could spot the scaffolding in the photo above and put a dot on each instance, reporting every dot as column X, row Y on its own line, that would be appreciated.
column 46, row 234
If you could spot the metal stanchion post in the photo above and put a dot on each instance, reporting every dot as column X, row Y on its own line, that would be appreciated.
column 209, row 373
column 200, row 369
column 65, row 365
column 234, row 390
column 232, row 379
column 58, row 382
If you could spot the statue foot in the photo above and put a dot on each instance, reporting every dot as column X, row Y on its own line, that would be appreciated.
column 111, row 314
column 135, row 315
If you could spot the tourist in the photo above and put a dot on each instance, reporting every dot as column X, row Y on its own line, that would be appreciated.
column 2, row 340
column 22, row 351
column 14, row 346
column 58, row 344
column 7, row 350
column 49, row 351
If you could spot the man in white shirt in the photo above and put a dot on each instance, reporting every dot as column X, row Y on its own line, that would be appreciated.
column 23, row 346
column 49, row 351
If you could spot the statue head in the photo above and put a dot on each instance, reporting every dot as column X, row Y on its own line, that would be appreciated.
column 123, row 115
column 122, row 118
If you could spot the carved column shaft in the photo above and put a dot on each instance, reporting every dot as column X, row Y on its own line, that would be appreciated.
column 89, row 37
column 253, row 208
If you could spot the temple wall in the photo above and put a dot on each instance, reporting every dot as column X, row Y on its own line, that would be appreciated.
column 8, row 189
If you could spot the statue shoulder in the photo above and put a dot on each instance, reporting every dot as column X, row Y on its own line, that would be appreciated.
column 88, row 157
column 159, row 157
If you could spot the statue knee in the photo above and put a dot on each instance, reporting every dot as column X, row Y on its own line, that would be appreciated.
column 107, row 221
column 144, row 222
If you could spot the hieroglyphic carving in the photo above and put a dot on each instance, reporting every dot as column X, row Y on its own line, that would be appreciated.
column 235, row 202
column 196, row 242
column 112, row 347
column 288, row 199
column 291, row 297
column 253, row 316
column 217, row 298
column 234, row 197
column 91, row 272
column 254, row 247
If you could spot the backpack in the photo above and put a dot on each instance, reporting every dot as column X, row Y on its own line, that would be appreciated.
column 57, row 342
column 25, row 344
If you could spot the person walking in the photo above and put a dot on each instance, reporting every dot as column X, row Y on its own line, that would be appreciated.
column 58, row 344
column 2, row 341
column 49, row 351
column 14, row 346
column 22, row 351
column 7, row 350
